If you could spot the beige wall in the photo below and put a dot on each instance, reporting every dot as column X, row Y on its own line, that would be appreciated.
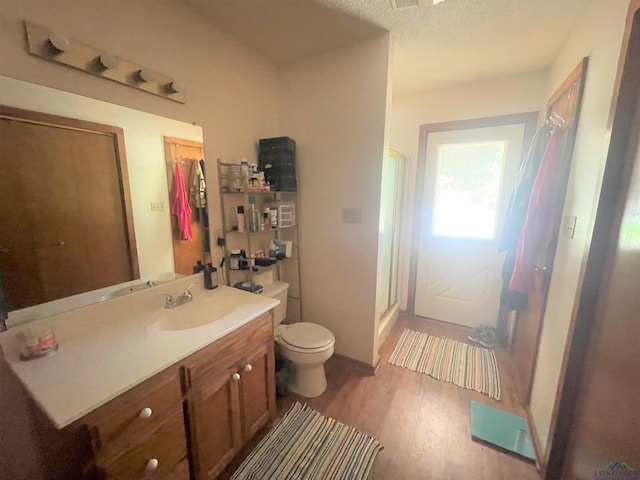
column 598, row 36
column 335, row 105
column 501, row 96
column 231, row 93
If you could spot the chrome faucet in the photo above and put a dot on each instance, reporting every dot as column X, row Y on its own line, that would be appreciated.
column 185, row 297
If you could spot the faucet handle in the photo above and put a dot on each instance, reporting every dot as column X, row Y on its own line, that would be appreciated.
column 187, row 291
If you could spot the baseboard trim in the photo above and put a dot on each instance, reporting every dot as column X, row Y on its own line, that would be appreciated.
column 537, row 446
column 364, row 367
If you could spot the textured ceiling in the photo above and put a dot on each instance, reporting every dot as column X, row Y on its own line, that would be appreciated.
column 453, row 42
column 466, row 40
column 285, row 31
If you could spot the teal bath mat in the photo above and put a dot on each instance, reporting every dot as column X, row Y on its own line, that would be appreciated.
column 502, row 429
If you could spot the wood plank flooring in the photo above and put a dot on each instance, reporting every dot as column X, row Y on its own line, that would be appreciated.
column 423, row 423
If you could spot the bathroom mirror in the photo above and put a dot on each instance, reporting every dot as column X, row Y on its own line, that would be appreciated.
column 148, row 167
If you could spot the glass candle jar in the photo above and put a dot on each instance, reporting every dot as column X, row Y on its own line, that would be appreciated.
column 36, row 340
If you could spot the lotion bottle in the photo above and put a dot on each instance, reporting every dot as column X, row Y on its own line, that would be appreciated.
column 242, row 225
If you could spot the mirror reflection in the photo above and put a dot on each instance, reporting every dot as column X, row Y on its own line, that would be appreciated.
column 90, row 198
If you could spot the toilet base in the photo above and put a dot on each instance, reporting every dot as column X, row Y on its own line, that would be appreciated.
column 308, row 381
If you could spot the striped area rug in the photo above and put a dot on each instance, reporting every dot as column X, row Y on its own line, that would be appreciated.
column 444, row 359
column 306, row 445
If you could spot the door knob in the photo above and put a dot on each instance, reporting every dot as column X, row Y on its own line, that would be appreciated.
column 235, row 376
column 248, row 367
column 152, row 464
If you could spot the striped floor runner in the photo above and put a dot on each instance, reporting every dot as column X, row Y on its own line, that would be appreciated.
column 444, row 359
column 306, row 445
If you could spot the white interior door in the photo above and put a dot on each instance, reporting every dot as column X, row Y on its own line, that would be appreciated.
column 469, row 176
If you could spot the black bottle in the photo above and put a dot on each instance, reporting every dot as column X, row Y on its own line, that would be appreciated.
column 210, row 277
column 198, row 267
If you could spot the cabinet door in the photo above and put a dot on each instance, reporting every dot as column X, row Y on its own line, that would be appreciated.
column 214, row 422
column 258, row 390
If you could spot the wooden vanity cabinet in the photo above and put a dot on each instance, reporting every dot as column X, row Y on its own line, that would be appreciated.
column 188, row 421
column 230, row 395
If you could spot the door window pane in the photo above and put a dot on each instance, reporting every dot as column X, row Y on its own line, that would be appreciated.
column 467, row 188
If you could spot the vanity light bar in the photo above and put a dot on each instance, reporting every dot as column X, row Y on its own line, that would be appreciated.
column 58, row 48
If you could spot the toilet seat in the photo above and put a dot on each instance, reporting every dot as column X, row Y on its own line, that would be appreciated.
column 305, row 337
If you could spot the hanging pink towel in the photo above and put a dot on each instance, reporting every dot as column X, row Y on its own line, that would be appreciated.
column 538, row 227
column 180, row 204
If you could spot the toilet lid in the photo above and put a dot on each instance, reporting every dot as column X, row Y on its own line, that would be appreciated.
column 307, row 335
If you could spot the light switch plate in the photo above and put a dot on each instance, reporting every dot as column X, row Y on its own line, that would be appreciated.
column 351, row 215
column 157, row 206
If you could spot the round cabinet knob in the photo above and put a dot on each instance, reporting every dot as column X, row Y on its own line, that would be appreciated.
column 145, row 413
column 236, row 376
column 248, row 367
column 152, row 464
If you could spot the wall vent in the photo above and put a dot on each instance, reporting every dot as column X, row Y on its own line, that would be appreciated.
column 403, row 4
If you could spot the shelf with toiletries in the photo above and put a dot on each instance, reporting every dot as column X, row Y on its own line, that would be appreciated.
column 257, row 219
column 260, row 232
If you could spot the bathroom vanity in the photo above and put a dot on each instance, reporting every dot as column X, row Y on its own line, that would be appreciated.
column 137, row 391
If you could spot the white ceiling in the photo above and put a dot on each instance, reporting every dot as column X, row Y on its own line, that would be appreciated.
column 453, row 42
column 285, row 31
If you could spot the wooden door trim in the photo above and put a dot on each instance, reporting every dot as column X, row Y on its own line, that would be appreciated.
column 182, row 141
column 529, row 119
column 624, row 126
column 117, row 135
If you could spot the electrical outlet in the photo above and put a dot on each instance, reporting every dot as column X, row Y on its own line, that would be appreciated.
column 157, row 206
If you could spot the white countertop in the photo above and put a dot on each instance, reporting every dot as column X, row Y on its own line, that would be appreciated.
column 109, row 347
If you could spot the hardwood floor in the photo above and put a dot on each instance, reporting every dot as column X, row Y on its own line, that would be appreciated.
column 423, row 423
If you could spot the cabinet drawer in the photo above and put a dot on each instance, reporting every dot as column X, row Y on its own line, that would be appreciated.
column 125, row 415
column 130, row 457
column 230, row 349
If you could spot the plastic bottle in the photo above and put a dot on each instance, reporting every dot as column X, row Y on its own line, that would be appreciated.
column 254, row 220
column 242, row 226
column 266, row 219
column 210, row 277
column 198, row 267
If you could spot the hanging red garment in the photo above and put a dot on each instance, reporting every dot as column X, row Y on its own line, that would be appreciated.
column 180, row 204
column 537, row 230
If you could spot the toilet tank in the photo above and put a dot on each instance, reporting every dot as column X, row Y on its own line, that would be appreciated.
column 278, row 290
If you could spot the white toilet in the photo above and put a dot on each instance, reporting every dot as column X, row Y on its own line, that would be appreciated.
column 306, row 345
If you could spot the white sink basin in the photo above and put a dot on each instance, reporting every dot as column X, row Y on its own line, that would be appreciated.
column 190, row 315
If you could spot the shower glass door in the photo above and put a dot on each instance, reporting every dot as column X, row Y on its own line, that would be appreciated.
column 389, row 230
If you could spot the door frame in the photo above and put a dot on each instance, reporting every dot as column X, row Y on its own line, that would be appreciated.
column 624, row 125
column 529, row 119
